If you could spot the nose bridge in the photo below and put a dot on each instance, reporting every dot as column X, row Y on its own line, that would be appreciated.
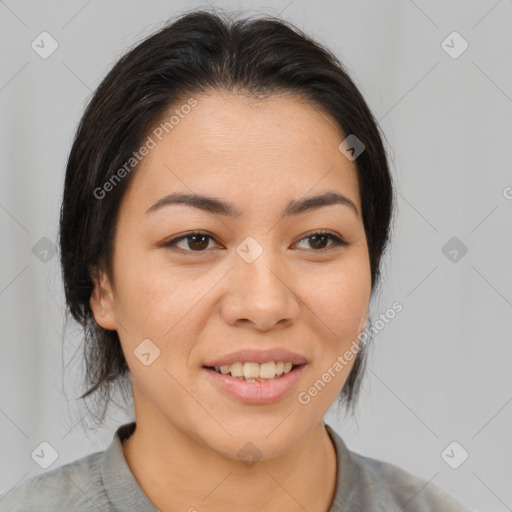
column 259, row 268
column 259, row 290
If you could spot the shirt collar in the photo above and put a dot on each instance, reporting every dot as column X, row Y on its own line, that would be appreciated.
column 345, row 473
column 121, row 486
column 125, row 493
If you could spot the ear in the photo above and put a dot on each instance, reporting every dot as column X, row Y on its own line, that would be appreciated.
column 102, row 300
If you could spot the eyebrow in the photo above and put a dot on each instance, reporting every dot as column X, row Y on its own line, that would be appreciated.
column 219, row 207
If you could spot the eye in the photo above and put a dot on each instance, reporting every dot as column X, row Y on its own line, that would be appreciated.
column 196, row 241
column 317, row 240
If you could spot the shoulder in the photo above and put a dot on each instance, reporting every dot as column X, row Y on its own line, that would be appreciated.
column 72, row 487
column 393, row 487
column 365, row 483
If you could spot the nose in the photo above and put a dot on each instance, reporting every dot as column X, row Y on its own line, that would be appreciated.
column 260, row 295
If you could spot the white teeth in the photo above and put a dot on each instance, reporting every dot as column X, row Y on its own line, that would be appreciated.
column 267, row 370
column 254, row 371
column 251, row 370
column 237, row 370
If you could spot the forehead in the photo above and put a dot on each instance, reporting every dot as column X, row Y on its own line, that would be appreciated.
column 272, row 149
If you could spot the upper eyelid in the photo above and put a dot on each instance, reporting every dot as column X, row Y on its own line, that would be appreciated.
column 340, row 241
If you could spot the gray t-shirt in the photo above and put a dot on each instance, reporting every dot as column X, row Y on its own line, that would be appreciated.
column 103, row 482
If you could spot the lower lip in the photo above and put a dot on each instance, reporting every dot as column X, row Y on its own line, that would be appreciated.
column 256, row 393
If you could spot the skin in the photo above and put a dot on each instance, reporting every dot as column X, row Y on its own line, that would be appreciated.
column 195, row 305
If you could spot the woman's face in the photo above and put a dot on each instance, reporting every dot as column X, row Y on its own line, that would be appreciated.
column 260, row 281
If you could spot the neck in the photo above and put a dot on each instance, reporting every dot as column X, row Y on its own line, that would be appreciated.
column 177, row 472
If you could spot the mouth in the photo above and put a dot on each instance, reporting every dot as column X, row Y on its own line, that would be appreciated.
column 254, row 372
column 255, row 384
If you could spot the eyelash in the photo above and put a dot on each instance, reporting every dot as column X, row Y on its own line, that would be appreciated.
column 171, row 244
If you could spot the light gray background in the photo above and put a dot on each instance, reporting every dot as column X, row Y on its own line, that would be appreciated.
column 441, row 370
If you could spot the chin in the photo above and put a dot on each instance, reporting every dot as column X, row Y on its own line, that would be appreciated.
column 262, row 438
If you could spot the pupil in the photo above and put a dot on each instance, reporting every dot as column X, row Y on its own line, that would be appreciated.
column 201, row 245
column 317, row 241
column 315, row 238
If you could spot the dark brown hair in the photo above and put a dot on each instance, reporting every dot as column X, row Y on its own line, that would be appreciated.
column 199, row 52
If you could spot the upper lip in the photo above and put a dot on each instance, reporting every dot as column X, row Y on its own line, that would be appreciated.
column 258, row 356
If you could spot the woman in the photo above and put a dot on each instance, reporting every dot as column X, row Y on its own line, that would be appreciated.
column 227, row 202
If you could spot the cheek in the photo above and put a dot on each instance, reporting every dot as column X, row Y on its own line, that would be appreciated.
column 165, row 305
column 151, row 300
column 155, row 307
column 341, row 300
